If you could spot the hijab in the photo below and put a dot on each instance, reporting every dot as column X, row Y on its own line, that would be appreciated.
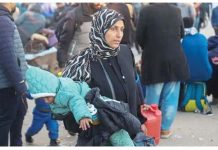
column 78, row 67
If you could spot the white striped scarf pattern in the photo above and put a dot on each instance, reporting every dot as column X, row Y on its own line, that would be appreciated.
column 78, row 67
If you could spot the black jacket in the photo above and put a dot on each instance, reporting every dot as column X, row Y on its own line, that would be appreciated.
column 121, row 71
column 159, row 31
column 113, row 116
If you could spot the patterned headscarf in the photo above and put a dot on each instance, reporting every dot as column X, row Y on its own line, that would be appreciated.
column 78, row 67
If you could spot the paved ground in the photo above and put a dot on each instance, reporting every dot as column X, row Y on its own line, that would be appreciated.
column 190, row 129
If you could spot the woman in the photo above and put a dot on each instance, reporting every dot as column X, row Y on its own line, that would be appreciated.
column 107, row 64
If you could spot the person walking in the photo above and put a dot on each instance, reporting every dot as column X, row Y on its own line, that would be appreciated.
column 12, row 85
column 103, row 64
column 159, row 31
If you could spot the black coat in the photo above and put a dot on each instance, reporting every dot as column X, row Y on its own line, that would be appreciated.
column 113, row 116
column 121, row 71
column 159, row 31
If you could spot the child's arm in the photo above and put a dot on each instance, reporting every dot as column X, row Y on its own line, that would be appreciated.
column 79, row 108
column 84, row 123
column 74, row 103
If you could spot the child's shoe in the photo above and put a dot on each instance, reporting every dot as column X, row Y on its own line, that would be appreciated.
column 71, row 133
column 29, row 139
column 53, row 142
column 165, row 134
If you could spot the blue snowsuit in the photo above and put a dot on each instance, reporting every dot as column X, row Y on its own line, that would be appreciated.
column 41, row 116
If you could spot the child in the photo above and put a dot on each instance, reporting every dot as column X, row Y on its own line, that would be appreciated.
column 41, row 116
column 65, row 95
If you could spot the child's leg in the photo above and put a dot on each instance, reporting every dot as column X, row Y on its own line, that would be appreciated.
column 121, row 138
column 52, row 127
column 36, row 125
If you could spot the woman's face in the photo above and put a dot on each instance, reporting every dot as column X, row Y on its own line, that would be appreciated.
column 114, row 35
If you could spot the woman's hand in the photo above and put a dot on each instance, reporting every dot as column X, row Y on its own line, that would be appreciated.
column 144, row 129
column 145, row 107
column 84, row 123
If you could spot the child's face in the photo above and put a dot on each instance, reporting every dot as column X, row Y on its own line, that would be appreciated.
column 49, row 99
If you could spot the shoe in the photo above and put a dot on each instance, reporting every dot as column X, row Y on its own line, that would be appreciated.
column 29, row 139
column 53, row 142
column 71, row 133
column 214, row 101
column 165, row 134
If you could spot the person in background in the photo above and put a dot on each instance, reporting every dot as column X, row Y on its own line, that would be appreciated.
column 195, row 44
column 212, row 84
column 13, row 90
column 22, row 7
column 60, row 13
column 72, row 33
column 197, row 16
column 164, row 64
column 187, row 10
column 48, row 10
column 31, row 21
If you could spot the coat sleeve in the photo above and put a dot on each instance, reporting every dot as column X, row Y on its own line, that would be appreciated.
column 75, row 103
column 141, row 29
column 8, row 59
column 84, row 88
column 65, row 39
column 79, row 108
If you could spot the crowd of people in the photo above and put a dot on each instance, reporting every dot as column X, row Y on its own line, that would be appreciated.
column 98, row 94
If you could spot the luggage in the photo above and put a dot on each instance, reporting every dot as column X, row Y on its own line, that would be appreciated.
column 153, row 122
column 193, row 98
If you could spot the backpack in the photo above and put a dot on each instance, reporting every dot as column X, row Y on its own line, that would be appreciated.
column 193, row 98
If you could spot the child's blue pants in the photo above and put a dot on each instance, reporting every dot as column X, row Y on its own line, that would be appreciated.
column 41, row 118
